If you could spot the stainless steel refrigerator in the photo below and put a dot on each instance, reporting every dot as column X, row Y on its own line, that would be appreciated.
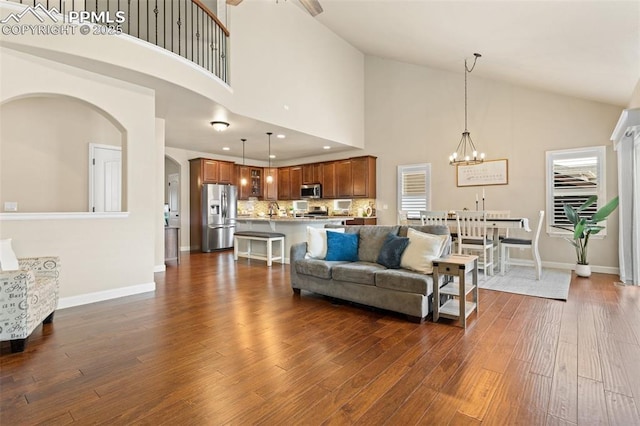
column 219, row 211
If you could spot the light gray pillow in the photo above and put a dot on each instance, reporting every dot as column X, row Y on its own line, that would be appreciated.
column 371, row 241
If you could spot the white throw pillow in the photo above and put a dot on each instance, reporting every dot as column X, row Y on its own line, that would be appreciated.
column 422, row 249
column 8, row 259
column 317, row 242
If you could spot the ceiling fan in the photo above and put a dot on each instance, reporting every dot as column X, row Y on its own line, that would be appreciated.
column 312, row 6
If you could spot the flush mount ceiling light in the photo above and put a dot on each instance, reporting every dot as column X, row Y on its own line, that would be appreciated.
column 219, row 126
column 269, row 177
column 243, row 181
column 466, row 152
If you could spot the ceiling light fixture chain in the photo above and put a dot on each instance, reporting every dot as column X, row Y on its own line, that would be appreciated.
column 243, row 181
column 269, row 177
column 460, row 156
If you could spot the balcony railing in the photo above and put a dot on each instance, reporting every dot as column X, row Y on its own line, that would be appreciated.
column 185, row 27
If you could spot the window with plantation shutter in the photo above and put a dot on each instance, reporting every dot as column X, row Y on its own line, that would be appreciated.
column 573, row 175
column 414, row 189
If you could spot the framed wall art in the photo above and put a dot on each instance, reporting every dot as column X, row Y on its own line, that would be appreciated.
column 490, row 172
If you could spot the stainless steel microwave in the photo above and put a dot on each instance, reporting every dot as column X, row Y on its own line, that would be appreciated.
column 313, row 190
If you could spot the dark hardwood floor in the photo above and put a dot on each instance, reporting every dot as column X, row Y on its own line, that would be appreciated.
column 228, row 343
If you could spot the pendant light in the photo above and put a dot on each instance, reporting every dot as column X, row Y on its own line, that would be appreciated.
column 466, row 152
column 269, row 177
column 243, row 181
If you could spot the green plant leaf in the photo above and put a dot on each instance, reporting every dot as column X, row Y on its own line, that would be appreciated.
column 587, row 203
column 605, row 211
column 573, row 243
column 571, row 214
column 578, row 232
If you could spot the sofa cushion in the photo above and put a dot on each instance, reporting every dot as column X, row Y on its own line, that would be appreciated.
column 317, row 242
column 391, row 251
column 427, row 229
column 371, row 240
column 315, row 267
column 342, row 246
column 356, row 272
column 405, row 281
column 422, row 249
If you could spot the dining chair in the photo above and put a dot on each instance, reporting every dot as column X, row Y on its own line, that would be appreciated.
column 472, row 236
column 433, row 217
column 498, row 234
column 509, row 243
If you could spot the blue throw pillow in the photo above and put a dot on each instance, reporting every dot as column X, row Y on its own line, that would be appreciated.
column 391, row 251
column 342, row 246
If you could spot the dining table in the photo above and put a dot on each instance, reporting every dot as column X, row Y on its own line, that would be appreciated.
column 494, row 226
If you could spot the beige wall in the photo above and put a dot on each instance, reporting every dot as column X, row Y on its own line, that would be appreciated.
column 50, row 135
column 102, row 257
column 416, row 114
column 635, row 97
column 281, row 55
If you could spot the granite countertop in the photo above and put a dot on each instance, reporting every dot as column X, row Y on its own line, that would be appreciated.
column 293, row 219
column 299, row 219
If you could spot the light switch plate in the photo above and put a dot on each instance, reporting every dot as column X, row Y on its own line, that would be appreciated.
column 10, row 206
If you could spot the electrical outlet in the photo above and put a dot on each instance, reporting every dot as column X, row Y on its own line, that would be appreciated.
column 385, row 206
column 10, row 206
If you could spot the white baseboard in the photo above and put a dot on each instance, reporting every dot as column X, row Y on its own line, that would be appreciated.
column 99, row 296
column 160, row 268
column 594, row 268
column 185, row 248
column 571, row 266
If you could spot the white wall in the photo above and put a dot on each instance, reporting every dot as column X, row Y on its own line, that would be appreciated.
column 416, row 114
column 100, row 257
column 280, row 55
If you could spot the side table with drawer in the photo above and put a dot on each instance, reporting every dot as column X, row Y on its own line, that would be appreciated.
column 457, row 306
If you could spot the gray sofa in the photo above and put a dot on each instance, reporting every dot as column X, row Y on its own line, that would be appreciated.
column 365, row 281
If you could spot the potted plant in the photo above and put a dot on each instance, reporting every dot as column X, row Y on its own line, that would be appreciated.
column 583, row 227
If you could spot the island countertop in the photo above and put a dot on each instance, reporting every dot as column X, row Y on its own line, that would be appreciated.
column 294, row 229
column 294, row 219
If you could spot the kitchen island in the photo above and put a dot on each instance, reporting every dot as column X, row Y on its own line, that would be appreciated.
column 294, row 228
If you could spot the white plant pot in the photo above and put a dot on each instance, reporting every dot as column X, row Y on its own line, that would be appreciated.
column 583, row 270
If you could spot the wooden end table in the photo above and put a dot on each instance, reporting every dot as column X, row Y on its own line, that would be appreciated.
column 457, row 307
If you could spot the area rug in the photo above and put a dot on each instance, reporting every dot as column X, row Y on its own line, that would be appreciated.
column 553, row 284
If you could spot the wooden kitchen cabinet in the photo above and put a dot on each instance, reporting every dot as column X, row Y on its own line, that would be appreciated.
column 210, row 171
column 328, row 180
column 289, row 182
column 295, row 182
column 253, row 179
column 271, row 189
column 225, row 172
column 284, row 176
column 344, row 179
column 311, row 173
column 213, row 171
column 363, row 173
column 362, row 221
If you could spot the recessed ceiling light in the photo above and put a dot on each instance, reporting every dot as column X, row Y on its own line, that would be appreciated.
column 286, row 107
column 225, row 148
column 272, row 156
column 326, row 147
column 281, row 136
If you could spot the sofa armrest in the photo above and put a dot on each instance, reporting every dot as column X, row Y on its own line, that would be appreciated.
column 296, row 253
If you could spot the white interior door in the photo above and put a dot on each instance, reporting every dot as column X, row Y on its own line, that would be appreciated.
column 174, row 199
column 105, row 178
